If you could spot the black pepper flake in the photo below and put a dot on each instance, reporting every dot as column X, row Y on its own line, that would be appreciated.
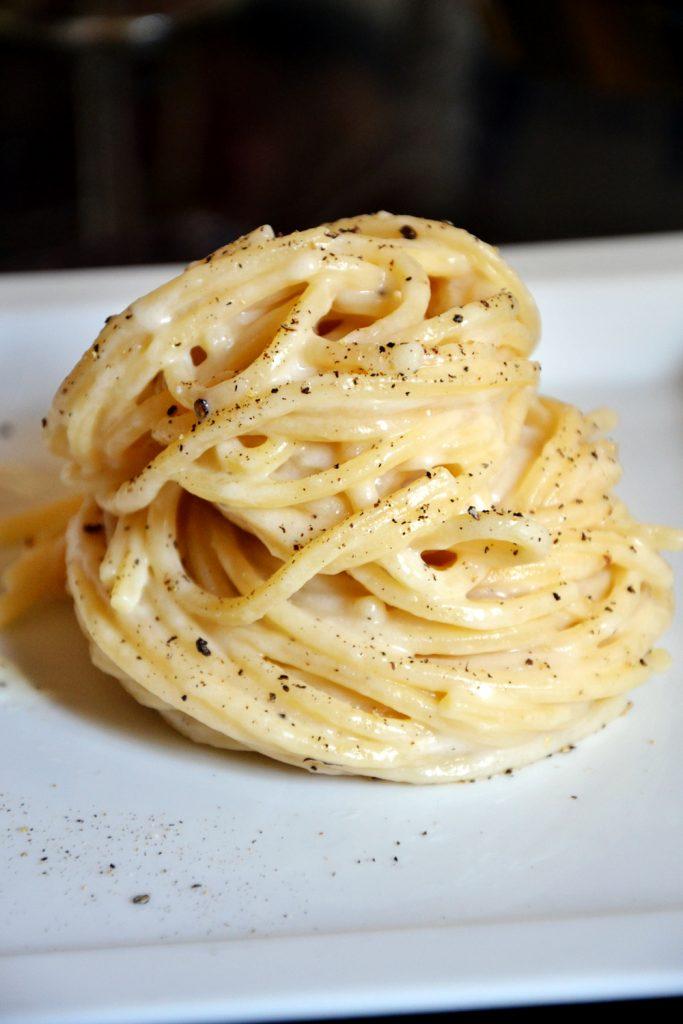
column 43, row 422
column 472, row 511
column 201, row 409
column 172, row 410
column 458, row 318
column 143, row 897
column 93, row 527
column 407, row 231
column 184, row 697
column 272, row 696
column 556, row 596
column 305, row 391
column 202, row 646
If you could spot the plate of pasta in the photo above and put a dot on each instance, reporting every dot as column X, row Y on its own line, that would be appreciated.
column 299, row 550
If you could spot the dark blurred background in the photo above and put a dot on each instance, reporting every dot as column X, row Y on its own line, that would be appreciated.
column 154, row 130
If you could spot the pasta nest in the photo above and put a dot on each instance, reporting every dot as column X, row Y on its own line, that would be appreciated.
column 328, row 517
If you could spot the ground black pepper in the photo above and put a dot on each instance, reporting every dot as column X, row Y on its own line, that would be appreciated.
column 201, row 409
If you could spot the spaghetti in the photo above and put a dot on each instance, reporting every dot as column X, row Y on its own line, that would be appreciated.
column 326, row 515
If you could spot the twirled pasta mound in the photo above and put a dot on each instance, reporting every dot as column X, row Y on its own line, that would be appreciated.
column 329, row 518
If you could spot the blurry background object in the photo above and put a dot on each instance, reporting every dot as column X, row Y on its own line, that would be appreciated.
column 154, row 130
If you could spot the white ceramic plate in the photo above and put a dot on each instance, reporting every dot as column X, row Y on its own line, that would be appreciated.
column 275, row 894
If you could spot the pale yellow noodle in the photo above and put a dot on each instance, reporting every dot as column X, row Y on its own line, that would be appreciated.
column 326, row 515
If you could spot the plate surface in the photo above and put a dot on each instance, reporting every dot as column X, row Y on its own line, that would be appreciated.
column 275, row 894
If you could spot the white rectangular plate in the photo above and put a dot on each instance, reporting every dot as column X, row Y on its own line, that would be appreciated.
column 276, row 894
